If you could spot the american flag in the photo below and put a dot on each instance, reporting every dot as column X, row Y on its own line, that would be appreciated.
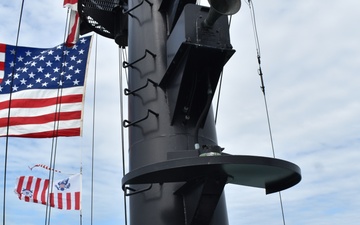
column 64, row 194
column 42, row 90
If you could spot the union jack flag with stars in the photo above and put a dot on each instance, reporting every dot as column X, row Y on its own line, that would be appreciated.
column 40, row 87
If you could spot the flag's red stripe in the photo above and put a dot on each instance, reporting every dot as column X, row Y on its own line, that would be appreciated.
column 59, row 200
column 40, row 119
column 70, row 2
column 73, row 32
column 19, row 186
column 36, row 190
column 2, row 65
column 2, row 47
column 43, row 192
column 68, row 201
column 46, row 134
column 52, row 200
column 36, row 103
column 28, row 187
column 77, row 200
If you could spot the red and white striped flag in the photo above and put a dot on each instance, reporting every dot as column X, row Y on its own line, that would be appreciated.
column 66, row 193
column 74, row 22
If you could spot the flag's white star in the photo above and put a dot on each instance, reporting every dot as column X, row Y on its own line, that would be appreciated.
column 28, row 53
column 56, row 69
column 76, row 82
column 68, row 77
column 20, row 59
column 38, row 80
column 57, row 58
column 40, row 69
column 44, row 84
column 23, row 81
column 31, row 75
column 48, row 63
column 77, row 71
column 15, row 88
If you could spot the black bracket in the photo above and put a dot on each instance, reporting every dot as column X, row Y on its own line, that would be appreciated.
column 127, row 123
column 129, row 10
column 126, row 64
column 134, row 191
column 128, row 92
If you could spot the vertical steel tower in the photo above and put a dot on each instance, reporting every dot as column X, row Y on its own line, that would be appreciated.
column 177, row 50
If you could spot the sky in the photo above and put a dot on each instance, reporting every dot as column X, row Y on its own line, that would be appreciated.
column 310, row 58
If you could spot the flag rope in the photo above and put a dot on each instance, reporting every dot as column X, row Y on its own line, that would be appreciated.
column 54, row 141
column 93, row 137
column 8, row 119
column 122, row 52
column 257, row 44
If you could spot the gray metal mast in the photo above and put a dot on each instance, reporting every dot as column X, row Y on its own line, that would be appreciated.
column 177, row 50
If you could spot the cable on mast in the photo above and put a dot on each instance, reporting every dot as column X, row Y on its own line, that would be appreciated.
column 122, row 52
column 257, row 44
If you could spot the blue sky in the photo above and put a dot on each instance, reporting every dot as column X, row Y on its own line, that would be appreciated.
column 311, row 61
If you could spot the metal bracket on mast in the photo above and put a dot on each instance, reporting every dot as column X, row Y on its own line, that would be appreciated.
column 138, row 5
column 134, row 191
column 128, row 92
column 126, row 64
column 127, row 123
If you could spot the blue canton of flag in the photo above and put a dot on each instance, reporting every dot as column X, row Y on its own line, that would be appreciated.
column 43, row 86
